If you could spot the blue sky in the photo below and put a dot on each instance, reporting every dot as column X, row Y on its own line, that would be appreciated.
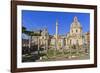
column 35, row 20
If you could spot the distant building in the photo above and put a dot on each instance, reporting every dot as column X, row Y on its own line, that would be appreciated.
column 87, row 40
column 61, row 41
column 25, row 43
column 44, row 36
column 52, row 41
column 34, row 40
column 87, row 37
column 40, row 40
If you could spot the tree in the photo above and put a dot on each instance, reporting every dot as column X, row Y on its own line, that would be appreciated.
column 29, row 33
column 23, row 29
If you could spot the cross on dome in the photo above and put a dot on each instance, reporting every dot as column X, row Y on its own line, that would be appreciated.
column 75, row 19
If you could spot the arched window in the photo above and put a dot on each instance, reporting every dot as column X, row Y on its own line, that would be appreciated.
column 70, row 41
column 72, row 31
column 76, row 30
column 76, row 41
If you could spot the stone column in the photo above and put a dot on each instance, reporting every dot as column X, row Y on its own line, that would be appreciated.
column 56, row 35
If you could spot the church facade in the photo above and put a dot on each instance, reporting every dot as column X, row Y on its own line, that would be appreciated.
column 75, row 36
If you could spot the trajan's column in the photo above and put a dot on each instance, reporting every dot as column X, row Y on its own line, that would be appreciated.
column 57, row 47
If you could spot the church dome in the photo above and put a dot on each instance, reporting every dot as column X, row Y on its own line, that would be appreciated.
column 76, row 23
